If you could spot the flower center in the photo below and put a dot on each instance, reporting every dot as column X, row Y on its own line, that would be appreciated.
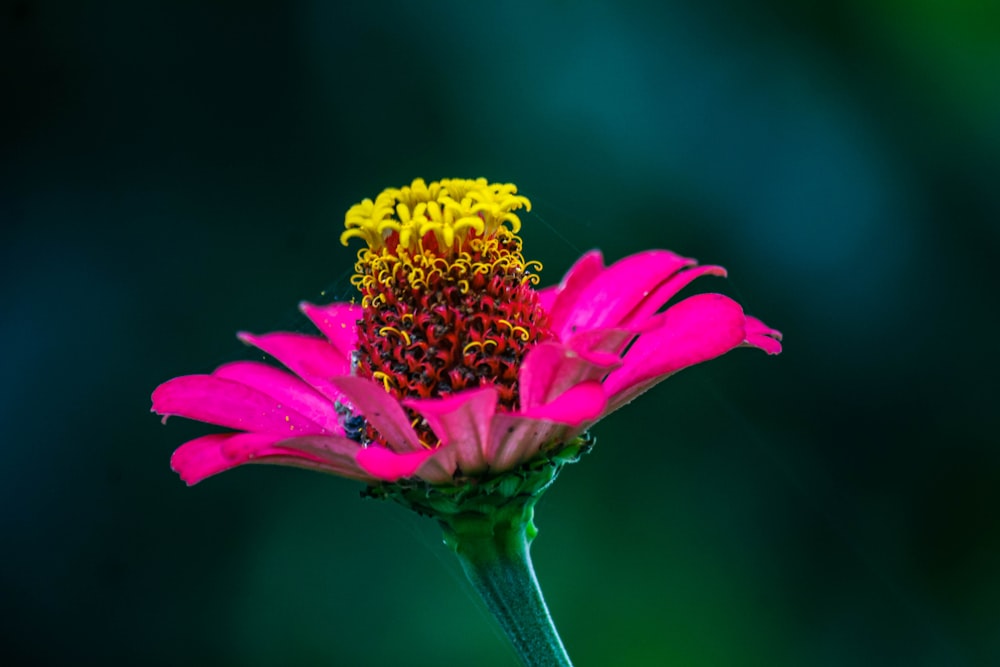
column 447, row 296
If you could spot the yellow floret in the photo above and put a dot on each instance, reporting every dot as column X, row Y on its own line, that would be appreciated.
column 448, row 208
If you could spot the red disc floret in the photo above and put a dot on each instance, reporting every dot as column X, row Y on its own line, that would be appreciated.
column 433, row 325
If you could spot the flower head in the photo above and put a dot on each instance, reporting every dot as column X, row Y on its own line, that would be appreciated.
column 446, row 295
column 454, row 369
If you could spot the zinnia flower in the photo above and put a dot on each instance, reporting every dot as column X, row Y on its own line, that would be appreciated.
column 454, row 386
column 454, row 368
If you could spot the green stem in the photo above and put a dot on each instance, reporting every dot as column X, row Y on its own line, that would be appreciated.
column 494, row 551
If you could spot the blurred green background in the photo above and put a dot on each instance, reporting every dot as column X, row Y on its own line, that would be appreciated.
column 172, row 172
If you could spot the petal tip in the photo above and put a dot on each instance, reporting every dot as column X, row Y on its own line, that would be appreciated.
column 384, row 464
column 762, row 337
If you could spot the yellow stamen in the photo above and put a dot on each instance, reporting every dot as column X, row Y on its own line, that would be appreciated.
column 379, row 375
column 450, row 209
column 459, row 234
column 398, row 332
column 416, row 276
column 518, row 330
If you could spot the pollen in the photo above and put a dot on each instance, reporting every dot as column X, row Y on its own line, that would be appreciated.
column 447, row 296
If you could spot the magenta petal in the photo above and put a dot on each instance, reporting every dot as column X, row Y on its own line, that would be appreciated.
column 284, row 388
column 609, row 298
column 205, row 456
column 228, row 403
column 385, row 464
column 202, row 457
column 515, row 439
column 462, row 424
column 439, row 468
column 382, row 411
column 337, row 321
column 666, row 291
column 551, row 368
column 605, row 341
column 697, row 329
column 581, row 403
column 547, row 297
column 761, row 336
column 567, row 294
column 518, row 437
column 212, row 454
column 335, row 454
column 310, row 357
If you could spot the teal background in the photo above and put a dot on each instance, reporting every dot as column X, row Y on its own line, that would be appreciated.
column 172, row 172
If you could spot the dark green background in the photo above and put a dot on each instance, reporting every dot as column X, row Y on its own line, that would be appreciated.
column 173, row 172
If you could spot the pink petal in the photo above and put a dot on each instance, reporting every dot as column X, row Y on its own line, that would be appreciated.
column 439, row 468
column 761, row 336
column 551, row 368
column 338, row 322
column 567, row 294
column 515, row 439
column 228, row 403
column 462, row 424
column 578, row 404
column 666, row 291
column 610, row 297
column 337, row 453
column 610, row 341
column 284, row 388
column 385, row 464
column 211, row 454
column 518, row 437
column 202, row 457
column 310, row 357
column 382, row 411
column 547, row 297
column 697, row 329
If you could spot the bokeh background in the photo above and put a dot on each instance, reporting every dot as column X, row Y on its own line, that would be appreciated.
column 172, row 172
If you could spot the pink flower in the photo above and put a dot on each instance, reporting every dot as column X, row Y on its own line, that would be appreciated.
column 454, row 368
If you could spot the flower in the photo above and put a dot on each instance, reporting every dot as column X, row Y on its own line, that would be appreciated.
column 454, row 369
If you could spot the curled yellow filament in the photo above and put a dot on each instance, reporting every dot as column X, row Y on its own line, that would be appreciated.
column 386, row 380
column 398, row 332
